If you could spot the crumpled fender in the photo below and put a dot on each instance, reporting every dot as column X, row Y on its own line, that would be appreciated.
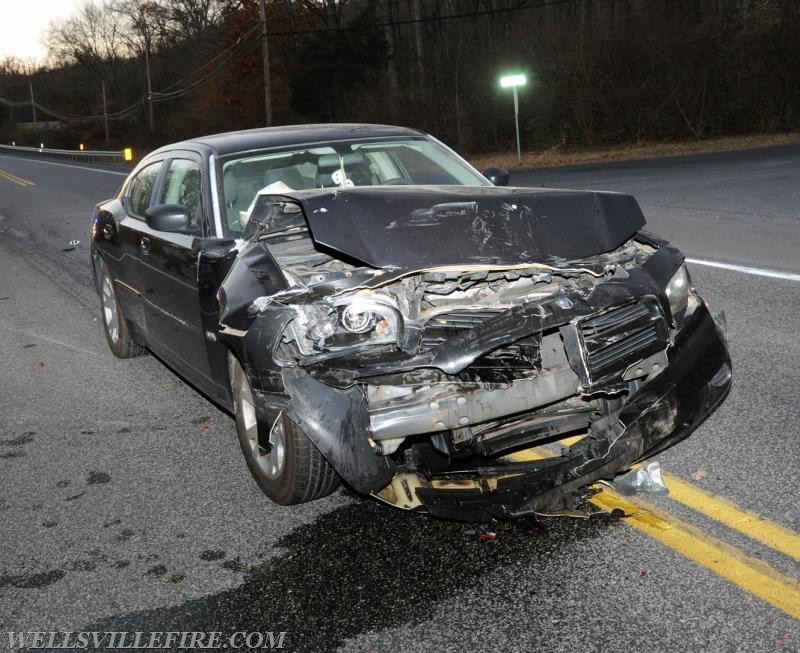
column 336, row 422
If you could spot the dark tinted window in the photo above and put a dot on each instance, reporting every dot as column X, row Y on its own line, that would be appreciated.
column 142, row 189
column 422, row 169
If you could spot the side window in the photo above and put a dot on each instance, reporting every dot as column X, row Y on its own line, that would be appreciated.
column 142, row 189
column 182, row 185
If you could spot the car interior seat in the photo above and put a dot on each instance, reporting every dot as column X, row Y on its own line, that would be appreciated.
column 290, row 176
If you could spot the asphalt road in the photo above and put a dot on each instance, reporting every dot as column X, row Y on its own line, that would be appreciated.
column 125, row 504
column 735, row 207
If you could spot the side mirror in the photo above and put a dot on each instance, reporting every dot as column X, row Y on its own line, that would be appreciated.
column 498, row 176
column 170, row 217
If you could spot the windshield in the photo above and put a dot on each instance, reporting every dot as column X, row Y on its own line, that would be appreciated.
column 397, row 161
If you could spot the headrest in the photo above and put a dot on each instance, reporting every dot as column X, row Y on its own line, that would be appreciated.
column 290, row 176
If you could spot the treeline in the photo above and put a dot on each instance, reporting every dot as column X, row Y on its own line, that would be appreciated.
column 599, row 71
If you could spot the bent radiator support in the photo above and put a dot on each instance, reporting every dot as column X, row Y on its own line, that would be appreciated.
column 398, row 411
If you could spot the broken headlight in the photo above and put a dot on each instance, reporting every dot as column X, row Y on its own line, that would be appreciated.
column 678, row 290
column 349, row 322
column 362, row 315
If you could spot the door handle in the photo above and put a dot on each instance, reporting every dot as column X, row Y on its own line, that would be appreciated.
column 144, row 242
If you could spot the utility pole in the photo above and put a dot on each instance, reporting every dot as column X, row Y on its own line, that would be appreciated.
column 149, row 87
column 105, row 110
column 33, row 102
column 419, row 40
column 267, row 91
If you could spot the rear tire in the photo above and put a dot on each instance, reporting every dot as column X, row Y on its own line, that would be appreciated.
column 114, row 324
column 293, row 471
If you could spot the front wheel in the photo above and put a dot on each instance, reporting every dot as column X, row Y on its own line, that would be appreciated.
column 293, row 470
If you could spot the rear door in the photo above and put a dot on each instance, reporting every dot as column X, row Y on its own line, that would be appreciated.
column 125, row 258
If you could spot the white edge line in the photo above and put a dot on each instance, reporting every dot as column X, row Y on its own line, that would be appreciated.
column 760, row 272
column 65, row 165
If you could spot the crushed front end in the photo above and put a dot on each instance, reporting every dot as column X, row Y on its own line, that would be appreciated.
column 418, row 385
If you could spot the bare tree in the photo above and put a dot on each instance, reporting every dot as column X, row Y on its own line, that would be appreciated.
column 94, row 38
column 195, row 19
column 600, row 71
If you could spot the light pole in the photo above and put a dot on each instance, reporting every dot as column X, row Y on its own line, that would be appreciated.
column 512, row 81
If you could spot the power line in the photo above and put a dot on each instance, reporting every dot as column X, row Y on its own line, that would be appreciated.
column 15, row 103
column 48, row 86
column 243, row 48
column 67, row 117
column 238, row 42
column 429, row 19
column 234, row 53
column 229, row 57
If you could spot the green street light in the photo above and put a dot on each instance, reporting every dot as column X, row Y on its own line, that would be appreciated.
column 512, row 81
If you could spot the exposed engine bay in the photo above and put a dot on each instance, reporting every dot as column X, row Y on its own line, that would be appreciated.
column 421, row 337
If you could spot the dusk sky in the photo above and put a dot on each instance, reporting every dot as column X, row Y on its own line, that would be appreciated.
column 23, row 24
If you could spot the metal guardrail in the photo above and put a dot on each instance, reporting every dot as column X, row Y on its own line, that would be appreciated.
column 99, row 156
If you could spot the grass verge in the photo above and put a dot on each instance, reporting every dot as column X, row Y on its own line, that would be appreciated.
column 555, row 156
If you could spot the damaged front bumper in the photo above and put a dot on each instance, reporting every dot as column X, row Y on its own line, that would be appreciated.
column 354, row 427
column 656, row 416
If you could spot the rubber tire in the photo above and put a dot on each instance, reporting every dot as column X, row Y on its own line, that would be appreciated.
column 304, row 476
column 121, row 344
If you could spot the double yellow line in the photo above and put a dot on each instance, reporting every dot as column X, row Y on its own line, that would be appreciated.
column 15, row 179
column 729, row 562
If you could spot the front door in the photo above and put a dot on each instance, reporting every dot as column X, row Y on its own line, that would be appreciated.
column 171, row 294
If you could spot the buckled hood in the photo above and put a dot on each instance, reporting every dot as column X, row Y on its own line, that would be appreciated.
column 418, row 227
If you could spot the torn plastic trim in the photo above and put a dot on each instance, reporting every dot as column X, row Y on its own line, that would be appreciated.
column 611, row 341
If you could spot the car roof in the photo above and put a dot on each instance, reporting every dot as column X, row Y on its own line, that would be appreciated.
column 269, row 137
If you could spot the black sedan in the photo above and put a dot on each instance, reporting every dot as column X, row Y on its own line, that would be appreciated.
column 372, row 309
